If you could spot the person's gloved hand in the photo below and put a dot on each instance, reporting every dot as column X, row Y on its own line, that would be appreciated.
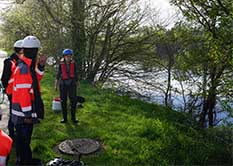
column 42, row 59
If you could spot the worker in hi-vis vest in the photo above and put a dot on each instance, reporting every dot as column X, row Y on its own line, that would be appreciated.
column 5, row 147
column 7, row 79
column 27, row 105
column 67, row 79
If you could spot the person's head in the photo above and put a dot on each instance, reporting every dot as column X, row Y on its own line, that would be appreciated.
column 18, row 47
column 31, row 45
column 67, row 54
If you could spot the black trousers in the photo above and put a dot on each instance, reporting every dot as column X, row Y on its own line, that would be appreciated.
column 65, row 92
column 23, row 140
column 11, row 127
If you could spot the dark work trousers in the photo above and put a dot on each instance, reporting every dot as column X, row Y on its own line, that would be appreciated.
column 10, row 126
column 65, row 91
column 23, row 140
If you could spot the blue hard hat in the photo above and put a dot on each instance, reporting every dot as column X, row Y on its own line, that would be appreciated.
column 67, row 52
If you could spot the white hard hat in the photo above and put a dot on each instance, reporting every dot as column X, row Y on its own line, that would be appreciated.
column 31, row 42
column 18, row 44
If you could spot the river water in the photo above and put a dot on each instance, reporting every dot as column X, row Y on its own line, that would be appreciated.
column 150, row 86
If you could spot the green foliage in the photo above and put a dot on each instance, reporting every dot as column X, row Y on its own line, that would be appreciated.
column 131, row 132
column 30, row 18
column 102, row 33
column 211, row 56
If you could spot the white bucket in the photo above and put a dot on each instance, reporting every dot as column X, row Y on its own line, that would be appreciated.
column 56, row 105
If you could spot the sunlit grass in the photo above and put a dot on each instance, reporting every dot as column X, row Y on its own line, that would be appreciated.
column 131, row 132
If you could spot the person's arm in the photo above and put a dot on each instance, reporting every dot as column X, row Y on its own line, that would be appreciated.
column 6, row 74
column 42, row 60
column 41, row 66
column 39, row 72
column 57, row 77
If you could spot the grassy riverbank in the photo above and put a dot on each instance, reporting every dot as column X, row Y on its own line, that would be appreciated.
column 131, row 132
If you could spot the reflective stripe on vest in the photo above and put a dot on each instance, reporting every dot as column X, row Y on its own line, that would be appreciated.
column 21, row 86
column 11, row 80
column 64, row 70
column 21, row 114
column 26, row 109
column 17, row 113
column 39, row 72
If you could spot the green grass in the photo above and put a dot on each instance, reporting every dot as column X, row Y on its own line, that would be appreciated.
column 131, row 132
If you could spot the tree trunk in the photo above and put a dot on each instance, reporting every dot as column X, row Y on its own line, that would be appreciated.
column 211, row 109
column 204, row 95
column 93, row 68
column 78, row 33
column 208, row 107
column 91, row 77
column 210, row 102
column 168, row 90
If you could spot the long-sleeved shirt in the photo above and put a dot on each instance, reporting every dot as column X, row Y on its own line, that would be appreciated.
column 6, row 74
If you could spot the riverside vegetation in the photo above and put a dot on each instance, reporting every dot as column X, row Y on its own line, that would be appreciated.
column 131, row 132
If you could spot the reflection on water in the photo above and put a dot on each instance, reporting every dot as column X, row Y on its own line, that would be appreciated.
column 150, row 87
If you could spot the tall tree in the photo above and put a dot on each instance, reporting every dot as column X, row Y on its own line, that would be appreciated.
column 78, row 32
column 215, row 18
column 102, row 34
column 112, row 29
column 167, row 48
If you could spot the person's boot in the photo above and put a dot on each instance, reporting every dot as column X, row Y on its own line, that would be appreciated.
column 63, row 121
column 73, row 118
column 64, row 113
column 75, row 121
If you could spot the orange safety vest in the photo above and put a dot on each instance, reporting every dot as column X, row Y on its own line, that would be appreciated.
column 64, row 70
column 9, row 87
column 23, row 95
column 5, row 147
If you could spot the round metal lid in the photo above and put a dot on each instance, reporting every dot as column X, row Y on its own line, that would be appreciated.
column 79, row 146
